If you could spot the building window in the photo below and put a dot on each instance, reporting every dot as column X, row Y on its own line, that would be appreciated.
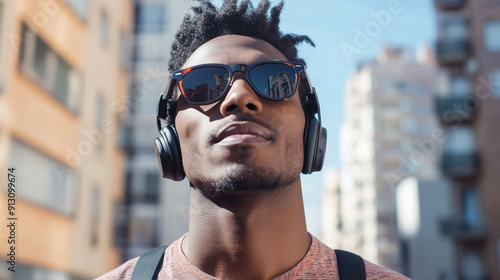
column 403, row 85
column 406, row 104
column 129, row 183
column 422, row 89
column 148, row 50
column 152, row 191
column 125, row 138
column 491, row 35
column 41, row 59
column 101, row 121
column 453, row 27
column 460, row 87
column 45, row 67
column 495, row 83
column 104, row 28
column 124, row 50
column 471, row 209
column 94, row 216
column 148, row 189
column 120, row 225
column 424, row 109
column 49, row 184
column 80, row 7
column 149, row 17
column 461, row 141
column 472, row 265
column 408, row 125
column 101, row 112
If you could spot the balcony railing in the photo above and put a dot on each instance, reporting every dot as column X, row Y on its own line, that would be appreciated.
column 452, row 51
column 460, row 231
column 449, row 4
column 460, row 165
column 456, row 109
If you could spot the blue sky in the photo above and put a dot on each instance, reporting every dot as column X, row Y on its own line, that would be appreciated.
column 333, row 25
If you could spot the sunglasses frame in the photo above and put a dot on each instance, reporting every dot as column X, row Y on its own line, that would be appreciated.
column 167, row 102
column 177, row 77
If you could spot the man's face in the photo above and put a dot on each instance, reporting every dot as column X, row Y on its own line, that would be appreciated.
column 241, row 142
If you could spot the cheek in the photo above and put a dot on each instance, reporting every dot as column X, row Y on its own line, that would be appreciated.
column 295, row 141
column 290, row 122
column 189, row 126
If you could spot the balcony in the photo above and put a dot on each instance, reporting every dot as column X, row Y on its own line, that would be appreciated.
column 460, row 231
column 456, row 109
column 460, row 165
column 446, row 5
column 452, row 51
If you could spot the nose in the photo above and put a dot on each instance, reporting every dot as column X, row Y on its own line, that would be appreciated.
column 240, row 98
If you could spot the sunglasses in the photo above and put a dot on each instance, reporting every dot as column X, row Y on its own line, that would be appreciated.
column 207, row 83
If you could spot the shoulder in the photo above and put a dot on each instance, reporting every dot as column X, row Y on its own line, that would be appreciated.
column 124, row 271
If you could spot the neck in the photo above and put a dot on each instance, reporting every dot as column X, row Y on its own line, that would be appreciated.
column 247, row 236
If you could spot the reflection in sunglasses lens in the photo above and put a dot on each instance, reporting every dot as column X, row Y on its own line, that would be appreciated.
column 274, row 81
column 204, row 84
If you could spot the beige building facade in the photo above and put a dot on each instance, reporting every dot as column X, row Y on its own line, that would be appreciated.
column 63, row 93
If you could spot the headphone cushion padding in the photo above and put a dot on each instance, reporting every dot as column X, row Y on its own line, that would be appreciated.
column 168, row 153
column 310, row 145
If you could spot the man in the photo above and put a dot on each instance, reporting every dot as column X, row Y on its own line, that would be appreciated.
column 242, row 126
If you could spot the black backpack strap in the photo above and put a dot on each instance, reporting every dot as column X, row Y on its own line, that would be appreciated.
column 149, row 265
column 351, row 266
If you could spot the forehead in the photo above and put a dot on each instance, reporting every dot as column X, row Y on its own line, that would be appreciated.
column 234, row 49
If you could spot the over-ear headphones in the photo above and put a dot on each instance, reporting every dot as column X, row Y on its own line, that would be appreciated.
column 314, row 135
column 168, row 151
column 168, row 154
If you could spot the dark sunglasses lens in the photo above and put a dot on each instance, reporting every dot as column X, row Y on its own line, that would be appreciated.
column 274, row 81
column 205, row 84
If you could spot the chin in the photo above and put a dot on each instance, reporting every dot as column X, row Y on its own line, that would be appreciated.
column 238, row 177
column 239, row 171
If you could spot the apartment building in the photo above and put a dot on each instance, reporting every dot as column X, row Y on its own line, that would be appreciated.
column 155, row 211
column 468, row 47
column 331, row 220
column 63, row 93
column 427, row 253
column 387, row 136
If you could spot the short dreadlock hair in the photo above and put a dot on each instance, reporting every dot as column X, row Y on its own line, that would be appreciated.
column 208, row 23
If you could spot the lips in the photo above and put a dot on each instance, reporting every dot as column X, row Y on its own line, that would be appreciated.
column 242, row 132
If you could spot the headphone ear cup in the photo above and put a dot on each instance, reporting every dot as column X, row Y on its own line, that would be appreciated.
column 314, row 148
column 168, row 154
column 310, row 143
